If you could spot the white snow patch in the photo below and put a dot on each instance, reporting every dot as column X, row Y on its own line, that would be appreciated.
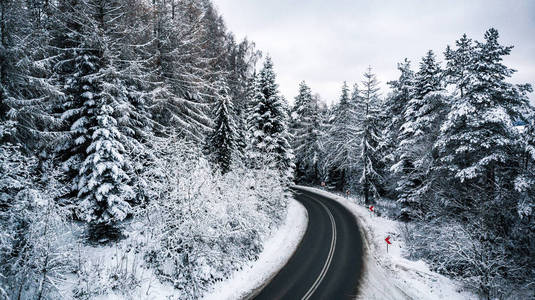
column 391, row 275
column 120, row 259
column 278, row 249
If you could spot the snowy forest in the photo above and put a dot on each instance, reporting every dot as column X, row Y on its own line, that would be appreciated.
column 450, row 151
column 145, row 130
column 125, row 124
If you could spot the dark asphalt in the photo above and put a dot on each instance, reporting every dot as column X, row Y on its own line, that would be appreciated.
column 308, row 274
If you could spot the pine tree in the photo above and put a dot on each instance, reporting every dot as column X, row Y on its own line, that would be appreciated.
column 341, row 151
column 478, row 161
column 242, row 86
column 394, row 111
column 223, row 138
column 429, row 78
column 181, row 68
column 301, row 103
column 305, row 129
column 24, row 67
column 422, row 118
column 458, row 63
column 101, row 121
column 369, row 136
column 268, row 124
column 477, row 138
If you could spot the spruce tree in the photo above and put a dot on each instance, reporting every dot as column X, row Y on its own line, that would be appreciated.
column 369, row 136
column 268, row 125
column 306, row 121
column 478, row 162
column 341, row 151
column 222, row 141
column 98, row 116
column 429, row 76
column 181, row 68
column 477, row 138
column 394, row 111
column 458, row 63
column 103, row 184
column 301, row 103
column 422, row 118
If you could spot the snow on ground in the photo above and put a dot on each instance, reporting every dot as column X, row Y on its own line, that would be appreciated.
column 135, row 281
column 277, row 251
column 122, row 263
column 391, row 275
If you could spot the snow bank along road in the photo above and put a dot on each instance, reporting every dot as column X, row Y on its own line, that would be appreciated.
column 328, row 262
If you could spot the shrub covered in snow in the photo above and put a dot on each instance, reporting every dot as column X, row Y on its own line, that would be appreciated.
column 200, row 225
column 36, row 247
column 468, row 253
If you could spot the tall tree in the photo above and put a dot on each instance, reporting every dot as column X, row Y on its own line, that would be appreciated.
column 181, row 68
column 98, row 117
column 477, row 139
column 241, row 82
column 305, row 129
column 477, row 151
column 394, row 109
column 369, row 136
column 222, row 141
column 340, row 159
column 458, row 63
column 268, row 124
column 24, row 67
column 422, row 118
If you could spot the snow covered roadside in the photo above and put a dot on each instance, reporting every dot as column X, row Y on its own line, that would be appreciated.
column 277, row 251
column 390, row 275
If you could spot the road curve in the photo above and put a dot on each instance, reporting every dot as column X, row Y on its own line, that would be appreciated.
column 328, row 262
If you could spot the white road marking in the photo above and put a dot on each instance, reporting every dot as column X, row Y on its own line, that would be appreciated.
column 329, row 257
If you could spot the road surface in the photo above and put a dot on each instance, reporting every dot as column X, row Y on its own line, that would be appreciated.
column 328, row 262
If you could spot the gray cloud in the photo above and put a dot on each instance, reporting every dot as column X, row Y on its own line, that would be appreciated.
column 327, row 42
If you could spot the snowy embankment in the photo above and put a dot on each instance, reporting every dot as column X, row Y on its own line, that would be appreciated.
column 391, row 275
column 135, row 281
column 278, row 249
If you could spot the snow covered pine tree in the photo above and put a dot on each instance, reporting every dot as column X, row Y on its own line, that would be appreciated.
column 395, row 106
column 96, row 98
column 268, row 125
column 370, row 136
column 222, row 141
column 422, row 117
column 478, row 159
column 340, row 162
column 305, row 127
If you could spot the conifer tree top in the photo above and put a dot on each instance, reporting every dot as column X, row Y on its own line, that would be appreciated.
column 344, row 97
column 428, row 77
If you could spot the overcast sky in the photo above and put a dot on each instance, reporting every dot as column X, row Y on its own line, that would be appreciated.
column 326, row 42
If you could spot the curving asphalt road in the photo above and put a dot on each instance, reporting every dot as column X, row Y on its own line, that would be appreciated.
column 328, row 262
